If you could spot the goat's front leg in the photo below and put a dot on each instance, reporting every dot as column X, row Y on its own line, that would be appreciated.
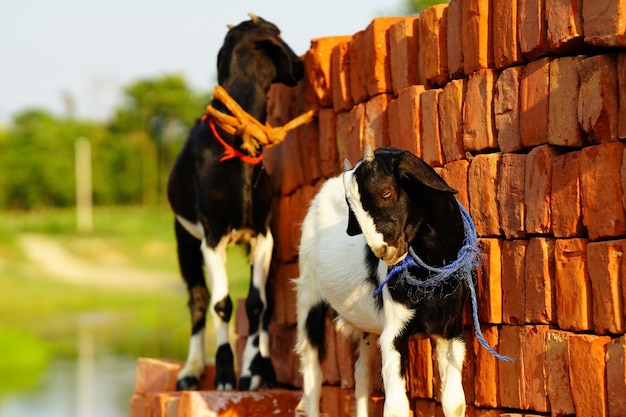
column 450, row 356
column 257, row 368
column 221, row 311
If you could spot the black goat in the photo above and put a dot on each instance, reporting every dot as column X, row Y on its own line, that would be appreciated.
column 221, row 195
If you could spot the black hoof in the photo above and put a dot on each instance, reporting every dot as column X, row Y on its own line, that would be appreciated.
column 188, row 383
column 244, row 383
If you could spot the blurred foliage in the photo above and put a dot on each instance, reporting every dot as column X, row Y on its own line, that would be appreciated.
column 131, row 153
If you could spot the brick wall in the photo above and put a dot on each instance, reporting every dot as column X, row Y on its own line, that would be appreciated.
column 521, row 106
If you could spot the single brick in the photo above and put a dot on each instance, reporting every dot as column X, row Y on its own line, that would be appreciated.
column 451, row 126
column 573, row 287
column 455, row 175
column 600, row 174
column 286, row 364
column 137, row 406
column 403, row 53
column 511, row 205
column 506, row 50
column 604, row 260
column 476, row 39
column 514, row 281
column 533, row 340
column 558, row 384
column 409, row 119
column 538, row 180
column 483, row 186
column 284, row 308
column 603, row 22
column 290, row 169
column 540, row 293
column 453, row 40
column 421, row 368
column 486, row 370
column 621, row 85
column 375, row 125
column 531, row 28
column 433, row 51
column 506, row 106
column 564, row 21
column 318, row 64
column 378, row 69
column 511, row 374
column 616, row 376
column 478, row 128
column 154, row 375
column 534, row 102
column 340, row 77
column 162, row 403
column 357, row 56
column 330, row 164
column 587, row 374
column 307, row 143
column 563, row 127
column 424, row 408
column 565, row 197
column 350, row 133
column 393, row 119
column 489, row 279
column 276, row 402
column 431, row 141
column 597, row 101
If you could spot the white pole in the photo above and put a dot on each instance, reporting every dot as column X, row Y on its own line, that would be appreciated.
column 84, row 199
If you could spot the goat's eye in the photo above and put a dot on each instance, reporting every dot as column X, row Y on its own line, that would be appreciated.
column 386, row 194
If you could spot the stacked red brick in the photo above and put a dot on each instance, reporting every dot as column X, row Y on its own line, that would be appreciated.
column 523, row 110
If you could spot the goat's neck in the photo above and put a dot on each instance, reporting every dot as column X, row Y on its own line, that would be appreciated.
column 250, row 94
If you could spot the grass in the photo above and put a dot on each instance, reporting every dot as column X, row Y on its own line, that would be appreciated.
column 44, row 314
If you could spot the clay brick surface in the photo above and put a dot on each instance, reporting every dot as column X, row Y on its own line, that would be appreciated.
column 375, row 124
column 514, row 281
column 564, row 22
column 563, row 127
column 478, row 128
column 616, row 376
column 558, row 384
column 357, row 56
column 573, row 288
column 307, row 142
column 506, row 51
column 455, row 175
column 286, row 363
column 403, row 53
column 340, row 77
column 137, row 407
column 597, row 101
column 330, row 164
column 621, row 85
column 162, row 404
column 433, row 51
column 468, row 366
column 604, row 260
column 587, row 374
column 229, row 403
column 511, row 374
column 531, row 28
column 429, row 116
column 450, row 104
column 409, row 119
column 506, row 106
column 393, row 119
column 486, row 370
column 533, row 340
column 489, row 282
column 483, row 185
column 565, row 198
column 604, row 22
column 378, row 71
column 420, row 368
column 537, row 182
column 350, row 133
column 511, row 195
column 476, row 35
column 534, row 103
column 600, row 173
column 284, row 309
column 540, row 292
column 453, row 40
column 154, row 375
column 317, row 63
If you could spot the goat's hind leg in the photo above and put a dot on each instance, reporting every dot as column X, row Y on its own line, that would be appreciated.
column 450, row 357
column 256, row 367
column 190, row 262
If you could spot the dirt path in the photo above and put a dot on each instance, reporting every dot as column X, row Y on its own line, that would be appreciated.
column 57, row 262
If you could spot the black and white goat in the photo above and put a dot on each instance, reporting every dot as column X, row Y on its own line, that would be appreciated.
column 359, row 225
column 220, row 196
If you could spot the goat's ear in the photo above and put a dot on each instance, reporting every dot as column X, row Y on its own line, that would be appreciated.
column 413, row 169
column 283, row 57
column 353, row 225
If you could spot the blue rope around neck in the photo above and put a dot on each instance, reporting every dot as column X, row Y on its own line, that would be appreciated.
column 462, row 268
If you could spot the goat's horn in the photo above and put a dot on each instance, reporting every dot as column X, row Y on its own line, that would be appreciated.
column 368, row 153
column 347, row 166
column 255, row 18
column 230, row 26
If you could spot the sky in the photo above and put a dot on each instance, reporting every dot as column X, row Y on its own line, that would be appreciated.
column 89, row 50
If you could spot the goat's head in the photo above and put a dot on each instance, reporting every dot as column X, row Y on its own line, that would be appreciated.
column 254, row 50
column 385, row 192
